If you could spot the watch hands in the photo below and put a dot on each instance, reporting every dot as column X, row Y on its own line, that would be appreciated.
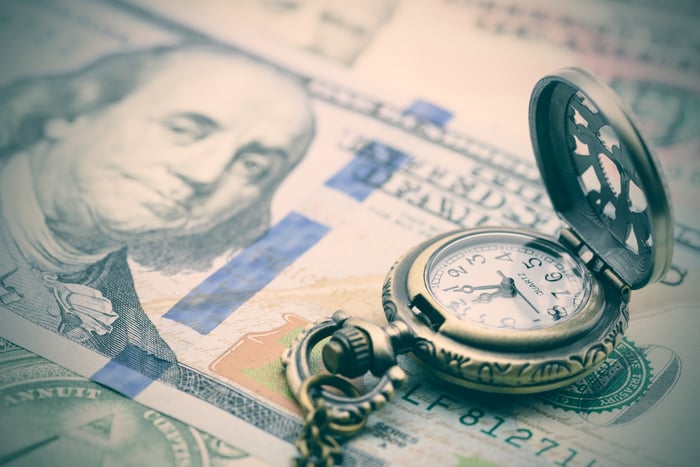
column 506, row 288
column 516, row 291
column 485, row 297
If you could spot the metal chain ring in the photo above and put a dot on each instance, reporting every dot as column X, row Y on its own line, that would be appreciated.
column 342, row 410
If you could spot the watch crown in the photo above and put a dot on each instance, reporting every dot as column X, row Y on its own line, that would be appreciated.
column 348, row 352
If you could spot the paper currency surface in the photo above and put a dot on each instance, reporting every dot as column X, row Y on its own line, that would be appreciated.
column 465, row 55
column 144, row 155
column 59, row 418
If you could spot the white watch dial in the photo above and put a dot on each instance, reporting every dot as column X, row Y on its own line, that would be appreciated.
column 508, row 281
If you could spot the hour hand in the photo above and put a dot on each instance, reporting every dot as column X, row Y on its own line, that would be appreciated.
column 503, row 289
column 468, row 289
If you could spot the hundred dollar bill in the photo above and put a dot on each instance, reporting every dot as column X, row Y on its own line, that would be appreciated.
column 463, row 54
column 177, row 205
column 479, row 60
column 52, row 416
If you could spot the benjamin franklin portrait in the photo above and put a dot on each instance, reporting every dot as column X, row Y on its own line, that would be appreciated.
column 168, row 156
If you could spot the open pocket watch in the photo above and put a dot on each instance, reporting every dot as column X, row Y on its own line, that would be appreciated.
column 511, row 310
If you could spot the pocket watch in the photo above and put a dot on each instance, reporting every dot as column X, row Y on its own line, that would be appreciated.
column 509, row 310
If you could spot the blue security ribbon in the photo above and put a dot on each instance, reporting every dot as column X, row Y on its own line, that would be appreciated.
column 430, row 112
column 222, row 293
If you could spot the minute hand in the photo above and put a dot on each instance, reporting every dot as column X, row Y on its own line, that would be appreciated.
column 517, row 291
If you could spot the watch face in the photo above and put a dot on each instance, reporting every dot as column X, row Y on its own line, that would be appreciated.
column 508, row 281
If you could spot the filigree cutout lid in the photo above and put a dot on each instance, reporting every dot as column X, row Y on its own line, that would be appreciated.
column 601, row 176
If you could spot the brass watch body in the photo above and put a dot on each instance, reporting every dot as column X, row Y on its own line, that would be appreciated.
column 607, row 188
column 503, row 359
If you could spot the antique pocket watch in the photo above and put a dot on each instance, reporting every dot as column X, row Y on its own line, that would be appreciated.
column 511, row 310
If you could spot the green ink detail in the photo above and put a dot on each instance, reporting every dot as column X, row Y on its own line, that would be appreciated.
column 315, row 358
column 64, row 419
column 100, row 427
column 269, row 375
column 463, row 461
column 287, row 340
column 23, row 451
column 618, row 382
column 7, row 346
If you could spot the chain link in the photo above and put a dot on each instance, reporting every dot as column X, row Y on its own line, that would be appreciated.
column 317, row 444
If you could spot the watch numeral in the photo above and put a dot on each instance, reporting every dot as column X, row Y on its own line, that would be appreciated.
column 508, row 322
column 557, row 312
column 553, row 276
column 454, row 305
column 460, row 307
column 562, row 292
column 532, row 262
column 474, row 258
column 456, row 272
column 505, row 257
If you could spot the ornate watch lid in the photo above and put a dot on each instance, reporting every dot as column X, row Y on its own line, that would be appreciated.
column 601, row 176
